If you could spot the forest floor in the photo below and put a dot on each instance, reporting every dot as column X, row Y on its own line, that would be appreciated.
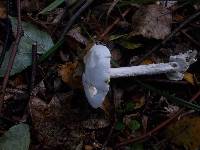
column 43, row 105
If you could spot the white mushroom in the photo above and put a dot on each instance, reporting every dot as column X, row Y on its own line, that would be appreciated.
column 98, row 71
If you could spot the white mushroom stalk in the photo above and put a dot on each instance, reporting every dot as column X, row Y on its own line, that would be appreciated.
column 98, row 71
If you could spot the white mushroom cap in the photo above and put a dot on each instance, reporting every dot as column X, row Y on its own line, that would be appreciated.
column 97, row 74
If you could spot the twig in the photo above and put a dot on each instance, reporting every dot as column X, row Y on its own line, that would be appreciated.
column 159, row 127
column 34, row 65
column 13, row 53
column 190, row 38
column 8, row 40
column 109, row 28
column 75, row 16
column 33, row 76
column 69, row 24
column 114, row 119
column 157, row 47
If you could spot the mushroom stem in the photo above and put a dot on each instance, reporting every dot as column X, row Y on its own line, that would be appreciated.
column 150, row 69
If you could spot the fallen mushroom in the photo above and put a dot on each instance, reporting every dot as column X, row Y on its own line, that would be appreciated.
column 98, row 71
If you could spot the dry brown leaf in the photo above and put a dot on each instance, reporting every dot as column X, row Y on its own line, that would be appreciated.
column 75, row 33
column 140, row 102
column 53, row 122
column 185, row 132
column 106, row 106
column 3, row 11
column 147, row 61
column 95, row 123
column 152, row 21
column 88, row 147
column 68, row 74
column 189, row 78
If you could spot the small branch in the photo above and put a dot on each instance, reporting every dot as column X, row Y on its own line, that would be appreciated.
column 109, row 28
column 34, row 65
column 69, row 24
column 13, row 53
column 190, row 38
column 159, row 127
column 157, row 47
column 8, row 39
column 75, row 16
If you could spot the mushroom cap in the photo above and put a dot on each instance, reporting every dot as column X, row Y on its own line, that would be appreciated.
column 97, row 74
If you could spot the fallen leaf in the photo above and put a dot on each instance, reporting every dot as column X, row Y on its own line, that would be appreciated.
column 94, row 123
column 75, row 33
column 68, row 74
column 184, row 133
column 139, row 102
column 3, row 11
column 88, row 147
column 147, row 61
column 17, row 137
column 189, row 78
column 24, row 54
column 152, row 21
column 129, row 44
column 134, row 125
column 54, row 121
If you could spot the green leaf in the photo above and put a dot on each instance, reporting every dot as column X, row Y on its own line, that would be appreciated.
column 51, row 7
column 130, row 106
column 119, row 126
column 137, row 146
column 17, row 138
column 116, row 37
column 134, row 125
column 128, row 44
column 24, row 55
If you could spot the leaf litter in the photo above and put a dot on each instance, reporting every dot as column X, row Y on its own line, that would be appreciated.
column 56, row 109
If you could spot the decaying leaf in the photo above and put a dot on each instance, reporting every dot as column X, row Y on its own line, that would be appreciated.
column 70, row 75
column 3, row 11
column 148, row 61
column 185, row 132
column 189, row 78
column 129, row 44
column 139, row 102
column 152, row 21
column 95, row 123
column 53, row 121
column 75, row 33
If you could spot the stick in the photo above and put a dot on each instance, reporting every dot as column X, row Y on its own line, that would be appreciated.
column 13, row 53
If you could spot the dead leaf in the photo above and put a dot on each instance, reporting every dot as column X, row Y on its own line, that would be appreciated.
column 152, row 21
column 55, row 16
column 75, row 33
column 68, row 73
column 148, row 61
column 88, row 147
column 3, row 11
column 106, row 106
column 139, row 102
column 95, row 123
column 185, row 132
column 189, row 78
column 53, row 122
column 128, row 44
